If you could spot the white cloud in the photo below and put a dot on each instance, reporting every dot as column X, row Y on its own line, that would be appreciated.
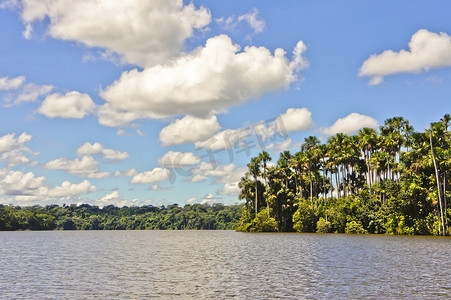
column 280, row 146
column 67, row 189
column 85, row 166
column 11, row 84
column 173, row 159
column 19, row 183
column 156, row 187
column 207, row 199
column 427, row 50
column 9, row 4
column 295, row 119
column 207, row 81
column 18, row 91
column 156, row 175
column 9, row 142
column 31, row 92
column 350, row 124
column 28, row 187
column 97, row 148
column 230, row 188
column 224, row 139
column 189, row 129
column 254, row 20
column 12, row 149
column 115, row 199
column 142, row 32
column 210, row 199
column 72, row 105
column 192, row 200
column 222, row 174
column 113, row 117
column 129, row 173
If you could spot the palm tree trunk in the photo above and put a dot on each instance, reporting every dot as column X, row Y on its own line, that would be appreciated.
column 338, row 185
column 444, row 202
column 311, row 185
column 439, row 190
column 256, row 198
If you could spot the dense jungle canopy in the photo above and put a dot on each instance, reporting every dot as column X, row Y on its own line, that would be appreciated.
column 393, row 181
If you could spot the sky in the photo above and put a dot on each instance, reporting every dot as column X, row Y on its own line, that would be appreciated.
column 156, row 102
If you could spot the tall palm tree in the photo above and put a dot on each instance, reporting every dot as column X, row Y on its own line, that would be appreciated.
column 264, row 157
column 368, row 140
column 310, row 148
column 254, row 170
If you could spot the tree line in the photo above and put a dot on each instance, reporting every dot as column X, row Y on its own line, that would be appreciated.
column 393, row 181
column 87, row 217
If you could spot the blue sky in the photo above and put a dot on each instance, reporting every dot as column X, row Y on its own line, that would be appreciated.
column 160, row 102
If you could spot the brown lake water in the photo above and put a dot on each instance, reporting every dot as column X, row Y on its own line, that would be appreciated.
column 221, row 265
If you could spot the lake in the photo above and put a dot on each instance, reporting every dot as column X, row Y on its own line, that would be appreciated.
column 221, row 265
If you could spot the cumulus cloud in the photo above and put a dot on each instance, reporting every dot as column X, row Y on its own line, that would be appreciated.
column 19, row 92
column 12, row 149
column 28, row 187
column 72, row 105
column 210, row 199
column 280, row 146
column 207, row 199
column 427, row 50
column 67, row 189
column 350, row 124
column 173, row 159
column 110, row 116
column 207, row 81
column 11, row 84
column 230, row 188
column 142, row 32
column 295, row 119
column 85, row 166
column 224, row 139
column 222, row 174
column 115, row 199
column 188, row 129
column 155, row 175
column 97, row 148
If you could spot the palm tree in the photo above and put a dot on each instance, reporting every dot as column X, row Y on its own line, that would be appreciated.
column 310, row 148
column 368, row 140
column 254, row 170
column 264, row 157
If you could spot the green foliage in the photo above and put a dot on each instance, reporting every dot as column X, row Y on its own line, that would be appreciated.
column 323, row 226
column 304, row 218
column 87, row 217
column 263, row 223
column 396, row 181
column 355, row 228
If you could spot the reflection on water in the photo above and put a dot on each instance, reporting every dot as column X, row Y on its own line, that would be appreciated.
column 221, row 264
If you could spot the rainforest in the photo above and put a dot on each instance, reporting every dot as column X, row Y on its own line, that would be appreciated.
column 391, row 181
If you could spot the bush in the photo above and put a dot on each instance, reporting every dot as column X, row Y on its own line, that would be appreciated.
column 355, row 228
column 323, row 226
column 263, row 223
column 304, row 218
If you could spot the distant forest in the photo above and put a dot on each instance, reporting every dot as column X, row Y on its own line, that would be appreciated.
column 395, row 181
column 87, row 217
